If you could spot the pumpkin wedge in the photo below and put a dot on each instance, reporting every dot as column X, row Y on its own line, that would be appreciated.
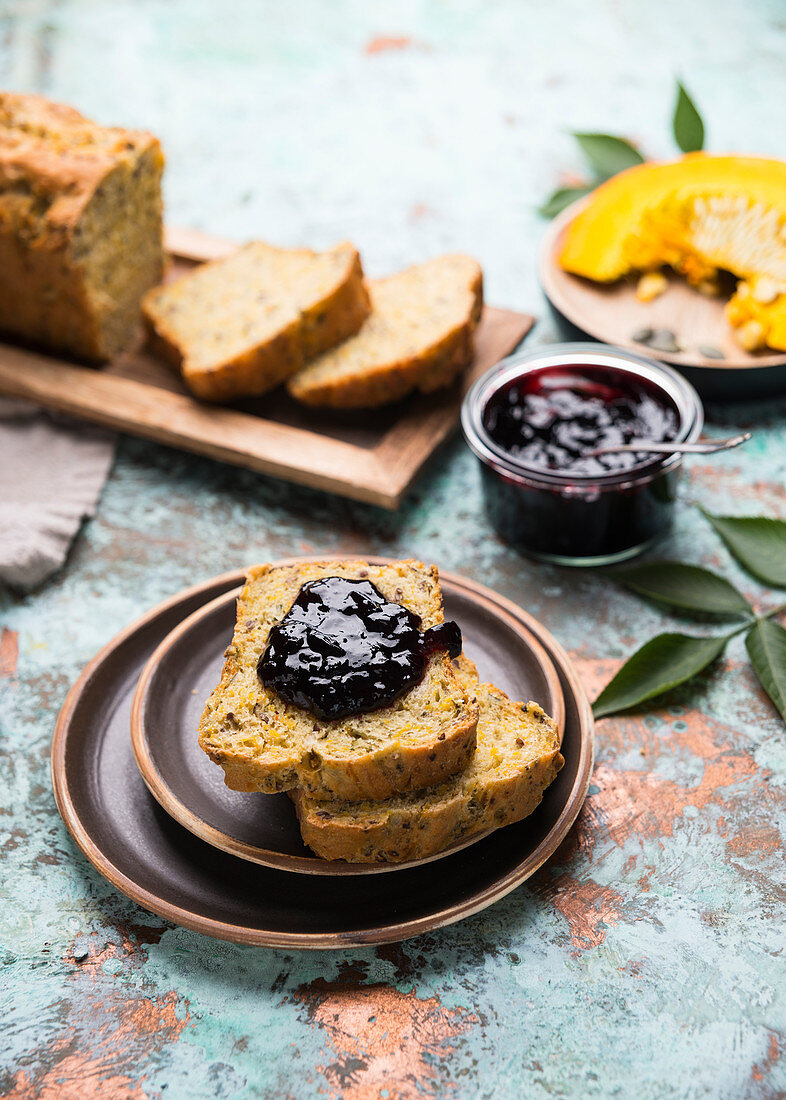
column 699, row 215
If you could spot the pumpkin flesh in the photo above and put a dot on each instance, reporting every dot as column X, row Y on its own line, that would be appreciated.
column 699, row 215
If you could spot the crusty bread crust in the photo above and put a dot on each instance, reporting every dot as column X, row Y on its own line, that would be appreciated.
column 383, row 379
column 266, row 744
column 307, row 328
column 421, row 824
column 80, row 227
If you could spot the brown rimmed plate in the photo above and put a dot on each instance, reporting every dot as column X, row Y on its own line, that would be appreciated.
column 186, row 666
column 152, row 859
column 613, row 314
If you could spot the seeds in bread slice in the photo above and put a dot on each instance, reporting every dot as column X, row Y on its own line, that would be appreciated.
column 517, row 757
column 241, row 325
column 265, row 744
column 419, row 335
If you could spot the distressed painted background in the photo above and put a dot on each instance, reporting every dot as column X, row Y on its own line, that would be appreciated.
column 647, row 959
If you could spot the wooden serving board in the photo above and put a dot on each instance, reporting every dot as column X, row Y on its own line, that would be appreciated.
column 370, row 456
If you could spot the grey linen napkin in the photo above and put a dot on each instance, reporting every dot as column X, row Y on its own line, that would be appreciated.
column 52, row 470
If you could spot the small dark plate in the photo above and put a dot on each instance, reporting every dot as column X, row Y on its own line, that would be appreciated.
column 152, row 859
column 186, row 667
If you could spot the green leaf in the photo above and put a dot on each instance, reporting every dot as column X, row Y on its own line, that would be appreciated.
column 685, row 586
column 608, row 154
column 661, row 664
column 766, row 645
column 561, row 198
column 687, row 123
column 758, row 544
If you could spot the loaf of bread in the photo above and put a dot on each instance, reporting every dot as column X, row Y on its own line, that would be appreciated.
column 239, row 326
column 517, row 757
column 80, row 227
column 418, row 336
column 266, row 744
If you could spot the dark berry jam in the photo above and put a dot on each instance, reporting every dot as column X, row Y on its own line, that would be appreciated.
column 532, row 423
column 553, row 422
column 343, row 649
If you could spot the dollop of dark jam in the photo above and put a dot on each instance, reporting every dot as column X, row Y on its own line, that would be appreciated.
column 343, row 649
column 556, row 420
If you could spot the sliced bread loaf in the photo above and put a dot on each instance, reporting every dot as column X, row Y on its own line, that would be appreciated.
column 241, row 325
column 80, row 227
column 266, row 744
column 517, row 757
column 419, row 335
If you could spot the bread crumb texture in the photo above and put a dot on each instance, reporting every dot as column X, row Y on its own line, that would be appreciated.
column 80, row 227
column 516, row 759
column 241, row 325
column 265, row 744
column 418, row 336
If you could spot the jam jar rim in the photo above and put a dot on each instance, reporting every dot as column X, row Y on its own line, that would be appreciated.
column 676, row 387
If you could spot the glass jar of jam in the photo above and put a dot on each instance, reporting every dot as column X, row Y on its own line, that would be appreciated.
column 532, row 421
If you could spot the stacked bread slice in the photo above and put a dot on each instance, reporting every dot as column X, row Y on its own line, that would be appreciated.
column 242, row 325
column 516, row 758
column 448, row 759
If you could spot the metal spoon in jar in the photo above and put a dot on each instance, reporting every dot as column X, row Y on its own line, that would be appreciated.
column 702, row 447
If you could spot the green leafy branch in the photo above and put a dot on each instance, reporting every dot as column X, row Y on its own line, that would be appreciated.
column 759, row 546
column 607, row 154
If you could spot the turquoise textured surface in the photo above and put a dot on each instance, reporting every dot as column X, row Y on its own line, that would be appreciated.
column 646, row 959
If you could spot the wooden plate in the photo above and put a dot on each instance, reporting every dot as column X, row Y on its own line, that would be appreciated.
column 184, row 669
column 152, row 859
column 613, row 313
column 371, row 455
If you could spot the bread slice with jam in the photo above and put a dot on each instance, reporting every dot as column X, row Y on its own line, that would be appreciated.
column 239, row 326
column 418, row 336
column 264, row 743
column 516, row 759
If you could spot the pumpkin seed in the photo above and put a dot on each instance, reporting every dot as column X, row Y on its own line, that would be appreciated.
column 642, row 335
column 663, row 339
column 751, row 335
column 651, row 286
column 765, row 291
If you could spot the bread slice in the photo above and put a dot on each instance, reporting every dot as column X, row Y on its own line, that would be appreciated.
column 241, row 325
column 517, row 757
column 419, row 335
column 266, row 744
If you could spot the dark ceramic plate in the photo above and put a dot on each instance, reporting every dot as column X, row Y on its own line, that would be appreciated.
column 186, row 667
column 152, row 859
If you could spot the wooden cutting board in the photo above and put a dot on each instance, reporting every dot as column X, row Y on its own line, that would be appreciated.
column 372, row 456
